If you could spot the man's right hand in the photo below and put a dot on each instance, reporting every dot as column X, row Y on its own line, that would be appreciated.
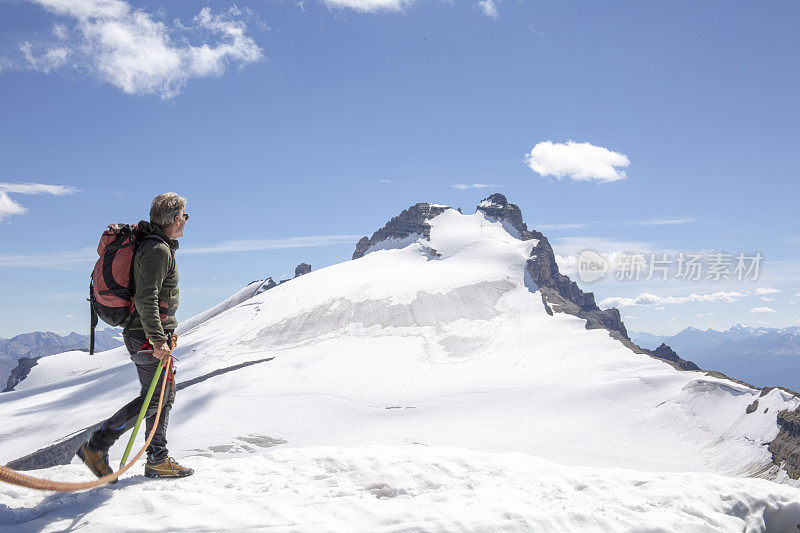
column 161, row 350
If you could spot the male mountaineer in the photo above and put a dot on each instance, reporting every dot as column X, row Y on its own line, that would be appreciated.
column 148, row 334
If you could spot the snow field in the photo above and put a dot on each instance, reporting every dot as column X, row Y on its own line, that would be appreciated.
column 406, row 488
column 414, row 391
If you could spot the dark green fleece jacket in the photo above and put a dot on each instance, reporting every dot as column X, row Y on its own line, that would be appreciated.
column 156, row 277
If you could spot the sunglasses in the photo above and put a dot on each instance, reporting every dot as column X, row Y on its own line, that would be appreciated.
column 186, row 216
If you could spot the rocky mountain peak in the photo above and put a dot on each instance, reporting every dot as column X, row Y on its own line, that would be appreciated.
column 497, row 199
column 557, row 289
column 559, row 292
column 411, row 221
column 496, row 207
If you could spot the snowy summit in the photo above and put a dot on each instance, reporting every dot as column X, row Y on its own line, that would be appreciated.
column 448, row 378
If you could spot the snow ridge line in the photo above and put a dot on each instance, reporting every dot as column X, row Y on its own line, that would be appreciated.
column 61, row 453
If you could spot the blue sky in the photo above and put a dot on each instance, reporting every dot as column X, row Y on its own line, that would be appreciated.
column 303, row 126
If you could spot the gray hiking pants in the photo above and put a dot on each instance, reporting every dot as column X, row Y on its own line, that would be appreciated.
column 125, row 418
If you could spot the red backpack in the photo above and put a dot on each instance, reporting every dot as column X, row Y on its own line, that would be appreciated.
column 112, row 288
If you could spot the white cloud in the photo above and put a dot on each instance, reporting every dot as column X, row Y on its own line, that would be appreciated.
column 465, row 186
column 766, row 290
column 574, row 245
column 767, row 299
column 567, row 250
column 577, row 161
column 9, row 207
column 489, row 8
column 136, row 53
column 46, row 62
column 762, row 310
column 369, row 6
column 645, row 299
column 60, row 31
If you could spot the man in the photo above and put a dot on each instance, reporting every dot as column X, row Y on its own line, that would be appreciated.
column 147, row 334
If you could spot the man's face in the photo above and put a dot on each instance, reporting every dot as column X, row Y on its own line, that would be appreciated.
column 181, row 221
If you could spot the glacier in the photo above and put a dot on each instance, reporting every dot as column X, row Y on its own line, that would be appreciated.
column 421, row 387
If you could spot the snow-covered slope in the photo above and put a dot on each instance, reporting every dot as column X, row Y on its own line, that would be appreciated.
column 423, row 386
column 250, row 290
column 39, row 344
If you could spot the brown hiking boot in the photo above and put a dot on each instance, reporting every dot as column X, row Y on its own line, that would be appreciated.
column 96, row 460
column 169, row 467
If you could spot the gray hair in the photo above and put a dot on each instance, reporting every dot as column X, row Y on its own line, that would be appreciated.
column 165, row 208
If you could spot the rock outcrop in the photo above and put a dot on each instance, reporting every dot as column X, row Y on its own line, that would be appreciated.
column 23, row 368
column 299, row 270
column 785, row 449
column 668, row 354
column 413, row 220
column 560, row 292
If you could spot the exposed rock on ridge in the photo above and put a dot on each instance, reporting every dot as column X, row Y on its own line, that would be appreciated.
column 23, row 368
column 559, row 291
column 299, row 270
column 785, row 449
column 668, row 354
column 413, row 220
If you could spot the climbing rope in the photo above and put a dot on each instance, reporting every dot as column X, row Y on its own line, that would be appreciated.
column 15, row 478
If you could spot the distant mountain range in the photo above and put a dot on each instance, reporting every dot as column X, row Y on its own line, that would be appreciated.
column 20, row 353
column 760, row 356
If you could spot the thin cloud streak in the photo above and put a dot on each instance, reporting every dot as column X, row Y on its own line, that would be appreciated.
column 465, row 186
column 36, row 188
column 84, row 258
column 53, row 261
column 369, row 6
column 273, row 244
column 666, row 221
column 546, row 227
